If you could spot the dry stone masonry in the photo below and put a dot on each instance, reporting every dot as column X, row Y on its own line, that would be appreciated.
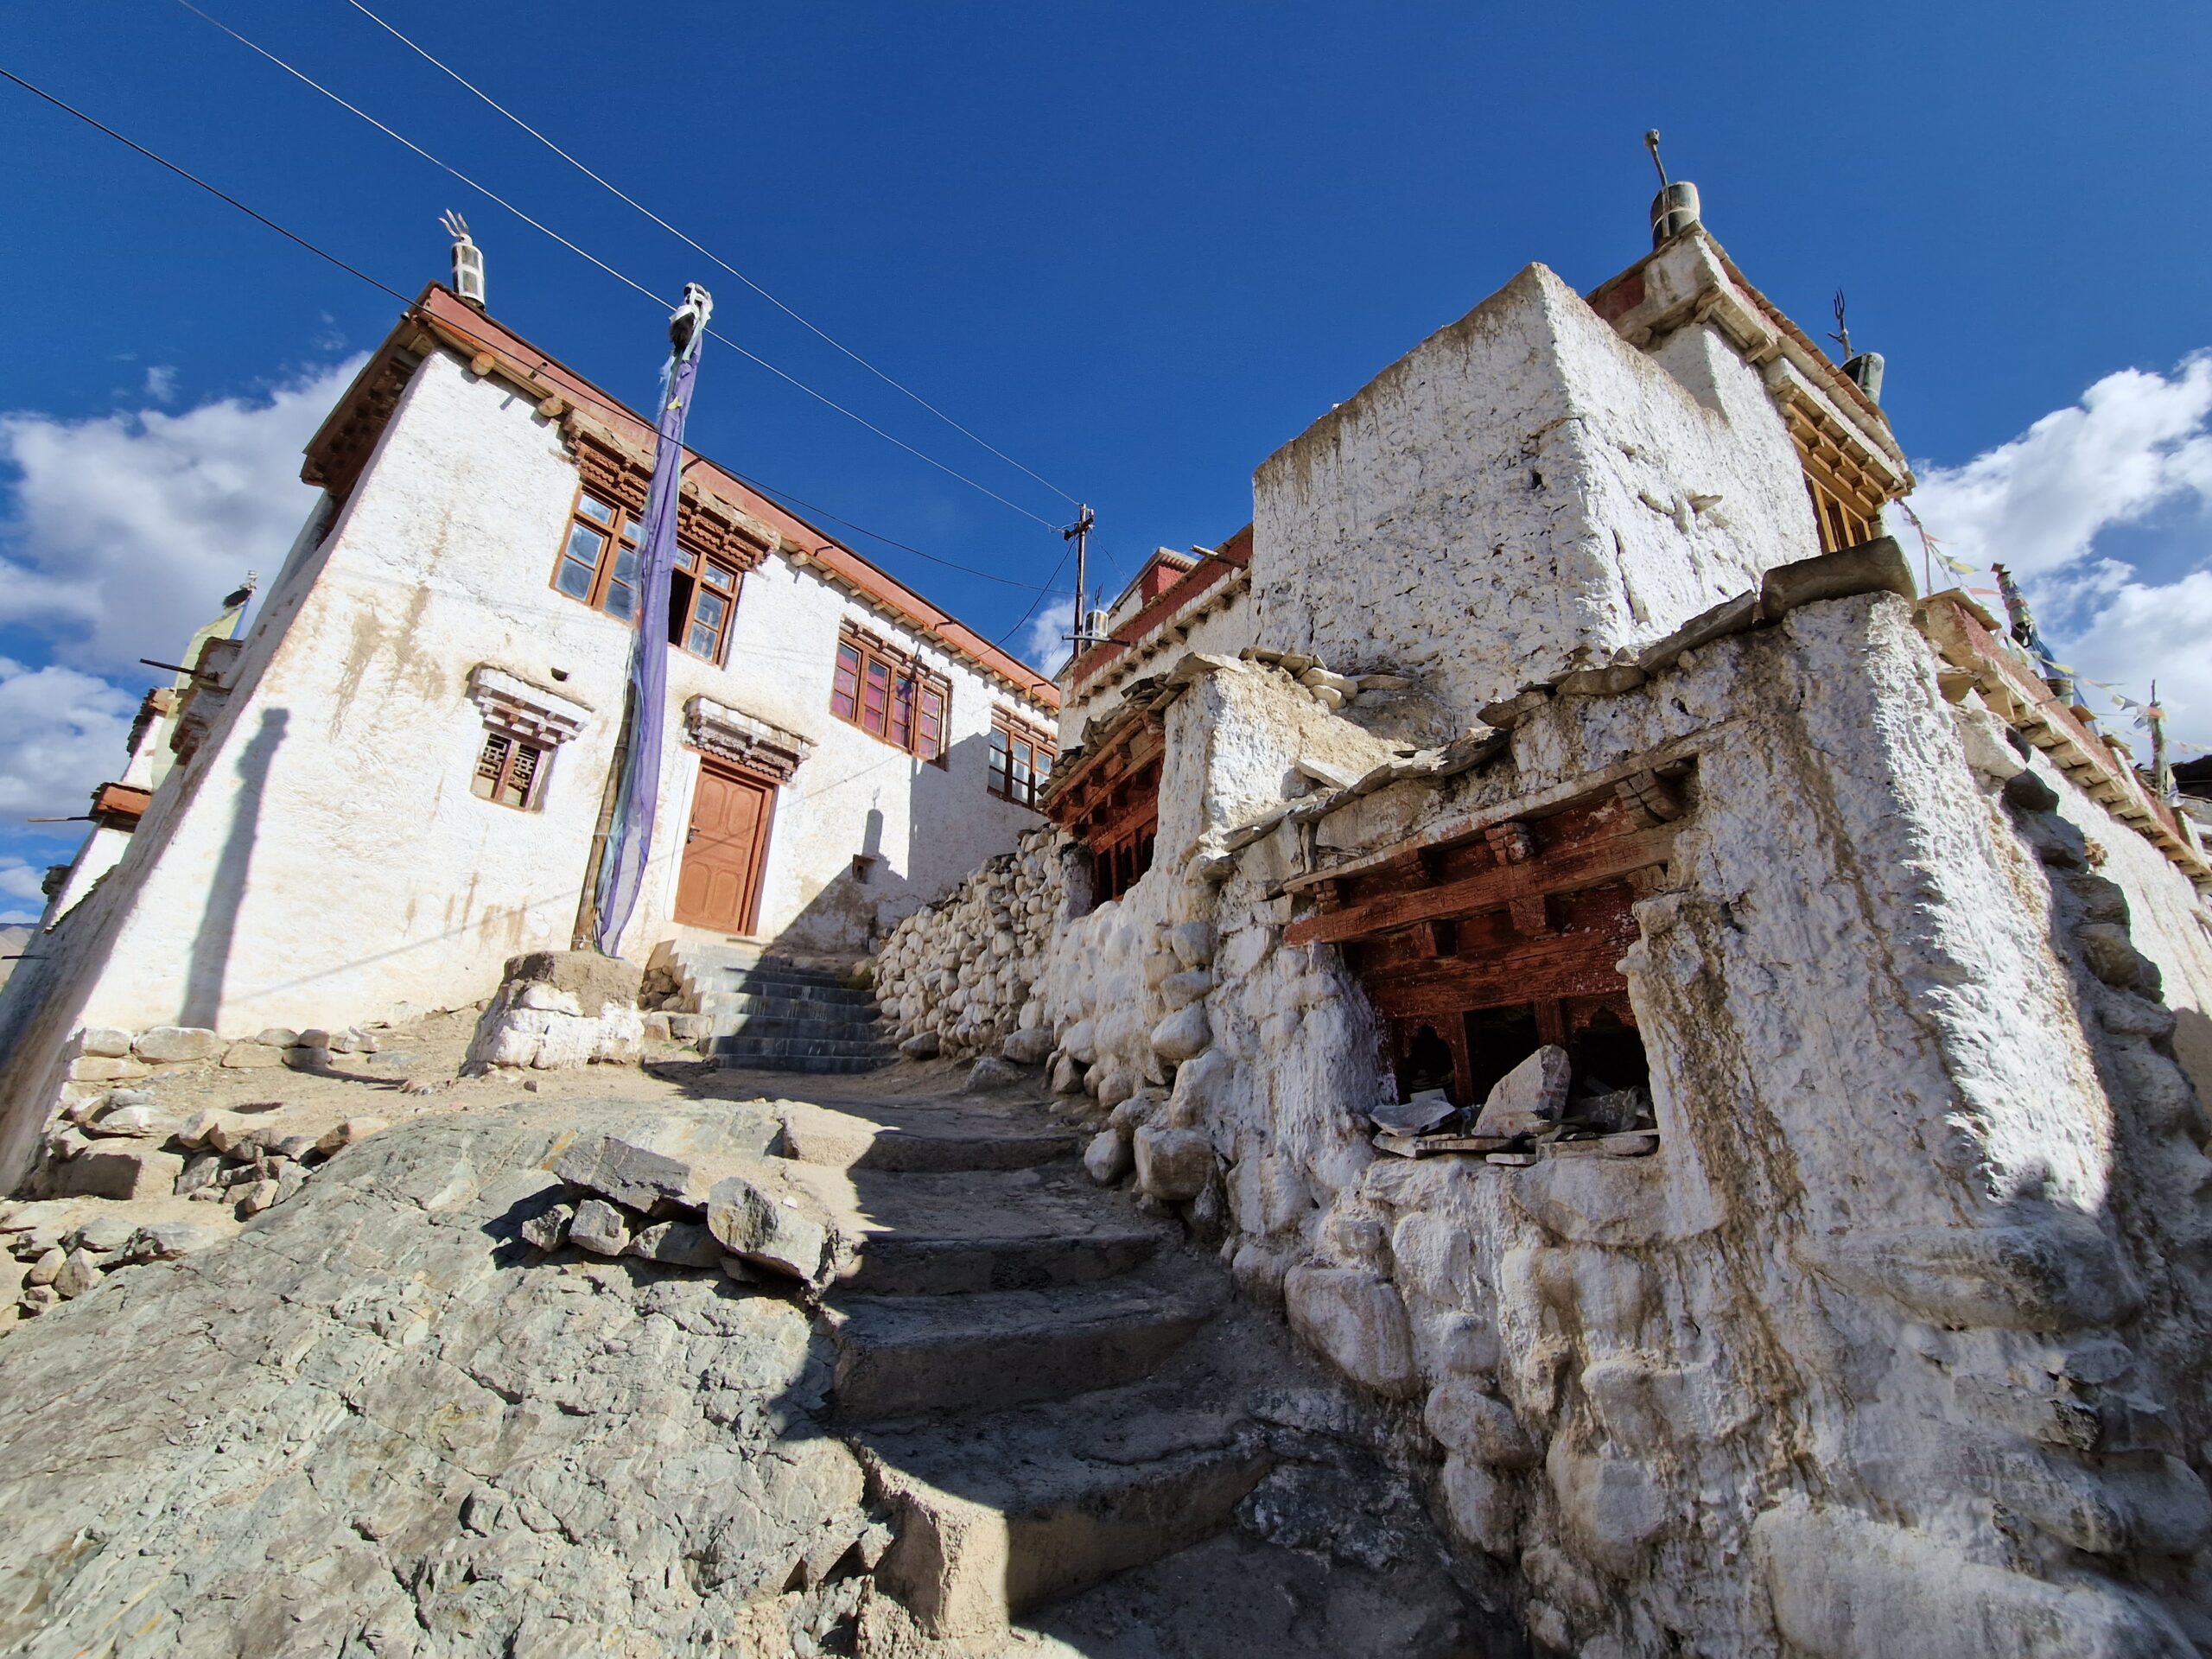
column 956, row 978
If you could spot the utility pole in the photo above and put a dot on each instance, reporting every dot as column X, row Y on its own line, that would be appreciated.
column 1079, row 533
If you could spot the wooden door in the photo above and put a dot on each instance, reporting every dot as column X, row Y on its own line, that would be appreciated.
column 729, row 842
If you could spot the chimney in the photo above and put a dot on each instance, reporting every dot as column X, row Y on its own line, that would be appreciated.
column 468, row 261
column 1675, row 209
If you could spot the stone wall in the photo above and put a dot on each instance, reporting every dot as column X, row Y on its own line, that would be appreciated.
column 956, row 977
column 1896, row 1342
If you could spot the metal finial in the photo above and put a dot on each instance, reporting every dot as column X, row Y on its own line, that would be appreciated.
column 1842, row 331
column 1651, row 143
column 455, row 226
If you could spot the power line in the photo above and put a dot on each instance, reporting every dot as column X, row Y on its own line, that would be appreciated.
column 322, row 253
column 193, row 178
column 439, row 63
column 628, row 281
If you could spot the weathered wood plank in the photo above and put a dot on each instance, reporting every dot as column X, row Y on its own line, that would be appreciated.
column 1565, row 871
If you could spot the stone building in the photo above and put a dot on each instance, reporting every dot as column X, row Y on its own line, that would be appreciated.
column 400, row 776
column 1697, row 1029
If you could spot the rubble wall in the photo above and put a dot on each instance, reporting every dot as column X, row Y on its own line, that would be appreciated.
column 956, row 977
column 1895, row 1344
column 1523, row 494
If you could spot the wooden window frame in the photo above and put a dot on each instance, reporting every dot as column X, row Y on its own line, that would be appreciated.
column 887, row 694
column 512, row 748
column 1009, row 734
column 616, row 533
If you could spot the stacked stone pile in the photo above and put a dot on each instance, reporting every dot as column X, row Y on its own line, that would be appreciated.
column 123, row 1146
column 959, row 978
column 556, row 1008
column 706, row 1210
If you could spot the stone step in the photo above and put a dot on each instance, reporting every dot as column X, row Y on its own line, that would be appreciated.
column 902, row 1356
column 779, row 989
column 732, row 1005
column 1000, row 1517
column 832, row 1027
column 923, row 1137
column 814, row 1064
column 961, row 1232
column 749, row 1048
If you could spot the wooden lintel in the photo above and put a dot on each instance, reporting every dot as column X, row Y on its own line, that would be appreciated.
column 1565, row 871
column 1573, row 964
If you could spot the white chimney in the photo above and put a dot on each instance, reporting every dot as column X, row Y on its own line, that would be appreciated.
column 468, row 261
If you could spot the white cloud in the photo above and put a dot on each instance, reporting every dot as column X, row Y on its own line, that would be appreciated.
column 61, row 732
column 160, row 383
column 1044, row 643
column 2136, row 444
column 125, row 530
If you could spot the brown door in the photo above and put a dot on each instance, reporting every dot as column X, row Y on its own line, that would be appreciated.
column 723, row 857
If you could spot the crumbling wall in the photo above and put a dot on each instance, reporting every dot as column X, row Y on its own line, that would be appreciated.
column 1523, row 494
column 956, row 978
column 1895, row 1343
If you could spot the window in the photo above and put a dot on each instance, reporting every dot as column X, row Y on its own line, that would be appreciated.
column 508, row 771
column 702, row 599
column 885, row 693
column 599, row 565
column 1021, row 760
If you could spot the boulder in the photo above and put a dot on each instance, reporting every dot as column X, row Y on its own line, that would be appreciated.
column 1484, row 1510
column 1530, row 1096
column 991, row 1073
column 1172, row 1165
column 169, row 1044
column 105, row 1042
column 922, row 1045
column 1028, row 1047
column 677, row 1244
column 338, row 1136
column 1475, row 1424
column 647, row 1181
column 81, row 1271
column 1183, row 1035
column 599, row 1227
column 1067, row 1075
column 1108, row 1157
column 245, row 1057
column 277, row 1037
column 132, row 1122
column 765, row 1230
column 1356, row 1319
column 165, row 1240
column 120, row 1169
column 549, row 1229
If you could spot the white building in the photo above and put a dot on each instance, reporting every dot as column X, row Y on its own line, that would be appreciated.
column 400, row 777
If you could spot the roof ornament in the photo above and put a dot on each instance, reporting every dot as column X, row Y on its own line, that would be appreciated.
column 467, row 260
column 689, row 321
column 1675, row 209
column 1864, row 369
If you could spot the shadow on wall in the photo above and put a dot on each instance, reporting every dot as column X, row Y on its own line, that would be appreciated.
column 209, row 961
column 859, row 906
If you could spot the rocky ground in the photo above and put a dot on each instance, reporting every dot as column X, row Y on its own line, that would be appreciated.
column 880, row 1372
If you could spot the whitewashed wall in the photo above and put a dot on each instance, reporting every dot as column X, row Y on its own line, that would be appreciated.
column 1522, row 494
column 322, row 860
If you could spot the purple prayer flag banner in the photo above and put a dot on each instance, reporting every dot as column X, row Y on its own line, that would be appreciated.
column 630, row 837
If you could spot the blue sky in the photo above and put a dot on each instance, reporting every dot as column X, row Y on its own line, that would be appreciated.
column 1136, row 247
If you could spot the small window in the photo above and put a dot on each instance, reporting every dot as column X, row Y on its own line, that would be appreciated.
column 888, row 694
column 1021, row 760
column 508, row 771
column 702, row 599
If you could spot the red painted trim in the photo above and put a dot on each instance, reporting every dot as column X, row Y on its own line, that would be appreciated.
column 1232, row 555
column 439, row 306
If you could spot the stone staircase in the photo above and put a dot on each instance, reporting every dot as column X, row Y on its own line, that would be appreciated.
column 1049, row 1389
column 767, row 1014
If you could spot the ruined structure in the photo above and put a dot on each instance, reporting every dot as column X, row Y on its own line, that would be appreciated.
column 399, row 778
column 1705, row 1028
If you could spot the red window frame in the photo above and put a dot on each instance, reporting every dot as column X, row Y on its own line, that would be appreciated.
column 890, row 696
column 1021, row 760
column 597, row 566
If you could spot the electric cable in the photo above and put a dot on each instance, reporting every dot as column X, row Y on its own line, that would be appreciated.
column 617, row 191
column 322, row 253
column 627, row 280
